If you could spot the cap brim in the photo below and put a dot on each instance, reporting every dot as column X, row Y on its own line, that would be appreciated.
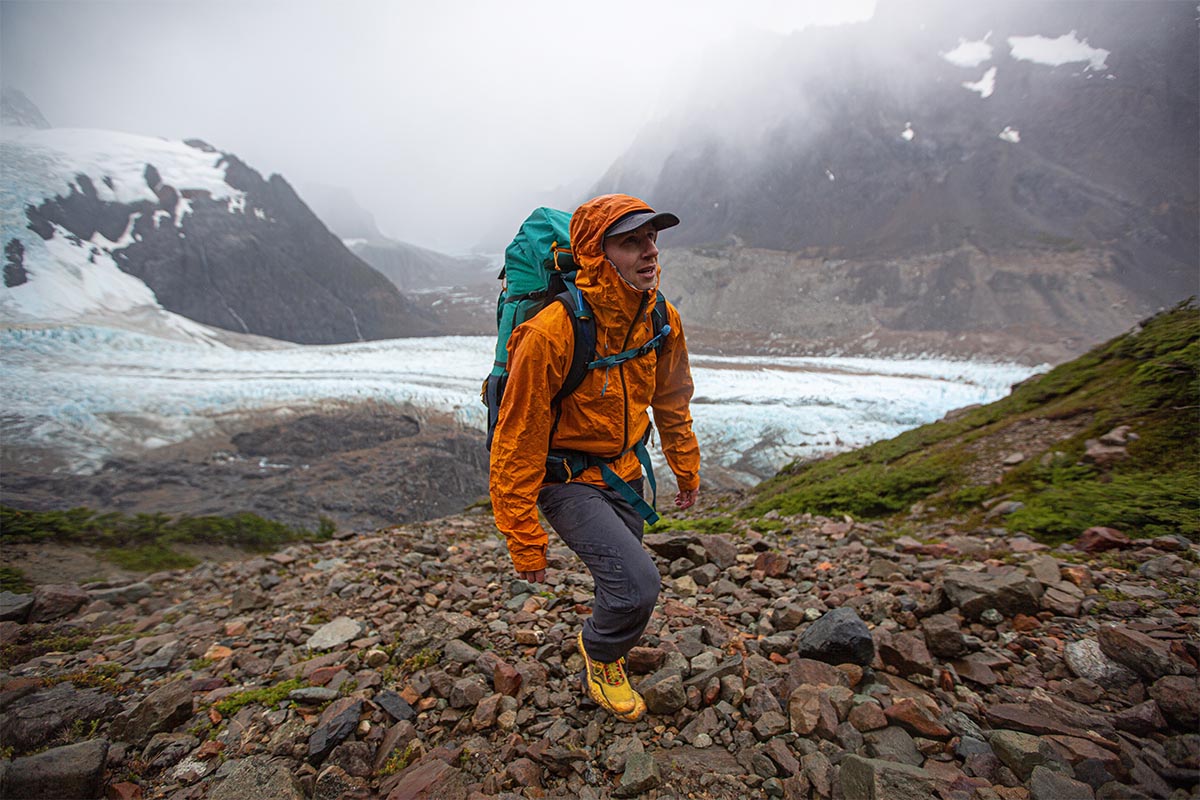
column 637, row 219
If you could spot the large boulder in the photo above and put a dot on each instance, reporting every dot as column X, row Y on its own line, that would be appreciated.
column 837, row 637
column 73, row 771
column 1009, row 590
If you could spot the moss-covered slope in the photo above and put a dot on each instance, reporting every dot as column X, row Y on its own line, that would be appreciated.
column 1030, row 450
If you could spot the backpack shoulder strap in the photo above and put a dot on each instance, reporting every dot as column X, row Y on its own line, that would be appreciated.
column 583, row 328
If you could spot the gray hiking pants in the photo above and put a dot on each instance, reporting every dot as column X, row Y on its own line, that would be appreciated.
column 606, row 533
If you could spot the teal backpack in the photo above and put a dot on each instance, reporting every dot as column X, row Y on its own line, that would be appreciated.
column 539, row 270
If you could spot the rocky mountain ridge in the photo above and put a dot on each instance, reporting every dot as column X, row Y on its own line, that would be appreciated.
column 1046, row 206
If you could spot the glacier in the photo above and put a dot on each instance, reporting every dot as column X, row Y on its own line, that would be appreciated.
column 92, row 392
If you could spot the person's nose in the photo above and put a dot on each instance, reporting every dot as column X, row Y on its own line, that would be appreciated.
column 651, row 250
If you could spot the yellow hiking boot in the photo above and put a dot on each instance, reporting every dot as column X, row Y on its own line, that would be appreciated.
column 610, row 688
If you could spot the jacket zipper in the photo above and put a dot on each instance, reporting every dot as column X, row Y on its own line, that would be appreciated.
column 621, row 374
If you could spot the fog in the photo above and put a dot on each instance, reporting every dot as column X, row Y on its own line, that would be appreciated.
column 442, row 119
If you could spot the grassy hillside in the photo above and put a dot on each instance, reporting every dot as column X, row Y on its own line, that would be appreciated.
column 1029, row 448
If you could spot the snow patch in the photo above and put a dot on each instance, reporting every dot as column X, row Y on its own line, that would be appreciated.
column 970, row 54
column 985, row 85
column 1010, row 134
column 1064, row 49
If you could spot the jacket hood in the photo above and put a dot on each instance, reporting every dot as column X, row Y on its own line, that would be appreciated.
column 610, row 297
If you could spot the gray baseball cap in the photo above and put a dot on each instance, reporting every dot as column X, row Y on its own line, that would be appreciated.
column 636, row 219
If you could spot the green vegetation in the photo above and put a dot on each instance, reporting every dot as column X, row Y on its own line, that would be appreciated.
column 399, row 760
column 268, row 696
column 700, row 525
column 425, row 657
column 13, row 580
column 144, row 542
column 1148, row 379
column 37, row 640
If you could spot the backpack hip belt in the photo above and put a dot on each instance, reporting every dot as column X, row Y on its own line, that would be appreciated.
column 563, row 466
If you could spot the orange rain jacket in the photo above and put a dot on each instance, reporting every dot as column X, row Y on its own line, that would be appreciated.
column 607, row 414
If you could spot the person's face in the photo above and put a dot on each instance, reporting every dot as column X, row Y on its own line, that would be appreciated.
column 635, row 255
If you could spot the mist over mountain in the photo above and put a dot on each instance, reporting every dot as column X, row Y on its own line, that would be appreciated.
column 100, row 224
column 942, row 172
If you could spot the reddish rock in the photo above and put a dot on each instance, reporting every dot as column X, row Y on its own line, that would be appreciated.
column 53, row 601
column 1099, row 539
column 906, row 652
column 772, row 564
column 524, row 772
column 1141, row 720
column 1151, row 658
column 1179, row 698
column 867, row 717
column 915, row 718
column 645, row 660
column 1024, row 623
column 123, row 791
column 506, row 679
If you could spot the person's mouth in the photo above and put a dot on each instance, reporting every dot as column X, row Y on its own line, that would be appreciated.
column 648, row 272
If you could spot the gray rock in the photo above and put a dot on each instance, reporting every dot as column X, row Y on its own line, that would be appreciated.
column 893, row 743
column 259, row 777
column 53, row 601
column 1021, row 752
column 165, row 708
column 663, row 692
column 35, row 719
column 1009, row 590
column 943, row 636
column 874, row 779
column 313, row 695
column 641, row 772
column 1086, row 660
column 1148, row 657
column 337, row 722
column 73, row 771
column 14, row 606
column 123, row 595
column 839, row 636
column 1046, row 784
column 334, row 633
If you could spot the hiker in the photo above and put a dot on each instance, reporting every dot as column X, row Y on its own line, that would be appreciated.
column 613, row 240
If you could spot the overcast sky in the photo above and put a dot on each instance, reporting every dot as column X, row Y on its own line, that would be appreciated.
column 433, row 114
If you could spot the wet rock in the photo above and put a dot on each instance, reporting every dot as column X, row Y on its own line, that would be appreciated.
column 259, row 777
column 1008, row 590
column 335, row 633
column 14, row 606
column 874, row 779
column 53, row 601
column 72, row 771
column 839, row 636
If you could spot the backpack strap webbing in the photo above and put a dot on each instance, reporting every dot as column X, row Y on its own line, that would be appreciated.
column 562, row 466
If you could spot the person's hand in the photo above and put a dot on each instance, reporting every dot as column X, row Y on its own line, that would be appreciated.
column 685, row 498
column 537, row 576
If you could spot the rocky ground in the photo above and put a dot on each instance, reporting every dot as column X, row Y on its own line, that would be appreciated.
column 793, row 657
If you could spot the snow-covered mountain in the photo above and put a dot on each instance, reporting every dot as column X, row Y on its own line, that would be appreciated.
column 99, row 225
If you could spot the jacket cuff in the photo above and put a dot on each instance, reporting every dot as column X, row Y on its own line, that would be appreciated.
column 527, row 558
